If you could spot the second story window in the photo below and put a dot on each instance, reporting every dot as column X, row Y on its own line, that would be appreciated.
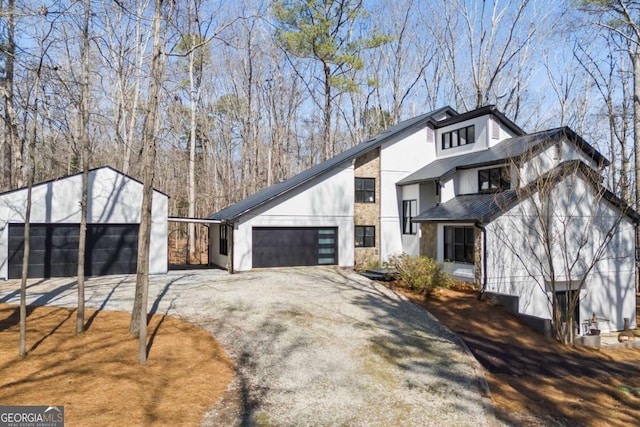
column 492, row 180
column 365, row 190
column 458, row 137
column 409, row 211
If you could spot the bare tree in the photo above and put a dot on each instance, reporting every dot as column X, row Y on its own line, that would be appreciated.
column 325, row 32
column 138, row 324
column 13, row 144
column 489, row 47
column 622, row 17
column 557, row 234
column 31, row 166
column 83, row 128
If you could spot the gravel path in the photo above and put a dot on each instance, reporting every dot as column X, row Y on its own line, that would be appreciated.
column 312, row 346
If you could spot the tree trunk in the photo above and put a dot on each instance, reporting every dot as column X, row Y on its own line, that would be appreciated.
column 138, row 324
column 13, row 162
column 25, row 258
column 84, row 140
column 636, row 144
column 191, row 235
column 328, row 150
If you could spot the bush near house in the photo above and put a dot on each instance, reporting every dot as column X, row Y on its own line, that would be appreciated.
column 419, row 273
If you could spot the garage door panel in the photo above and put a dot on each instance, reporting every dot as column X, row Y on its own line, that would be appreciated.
column 111, row 249
column 293, row 246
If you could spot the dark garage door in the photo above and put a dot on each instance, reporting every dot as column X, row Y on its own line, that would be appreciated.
column 294, row 246
column 111, row 249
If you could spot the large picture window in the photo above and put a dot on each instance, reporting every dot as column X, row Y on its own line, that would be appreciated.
column 224, row 240
column 365, row 190
column 409, row 211
column 458, row 244
column 365, row 236
column 458, row 137
column 495, row 179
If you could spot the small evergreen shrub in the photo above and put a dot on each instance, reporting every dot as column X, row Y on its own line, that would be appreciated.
column 420, row 274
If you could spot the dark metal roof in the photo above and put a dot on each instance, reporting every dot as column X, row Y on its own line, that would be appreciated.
column 482, row 111
column 394, row 132
column 507, row 150
column 484, row 208
column 468, row 208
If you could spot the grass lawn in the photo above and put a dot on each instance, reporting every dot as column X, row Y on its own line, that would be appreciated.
column 97, row 376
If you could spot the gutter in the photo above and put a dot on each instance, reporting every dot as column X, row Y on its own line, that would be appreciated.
column 484, row 259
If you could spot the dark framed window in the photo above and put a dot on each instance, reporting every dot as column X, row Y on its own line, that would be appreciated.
column 494, row 179
column 409, row 211
column 458, row 137
column 459, row 244
column 365, row 236
column 365, row 190
column 224, row 240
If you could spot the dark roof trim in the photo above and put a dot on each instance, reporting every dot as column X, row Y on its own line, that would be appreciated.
column 504, row 201
column 482, row 111
column 555, row 175
column 49, row 181
column 514, row 149
column 563, row 170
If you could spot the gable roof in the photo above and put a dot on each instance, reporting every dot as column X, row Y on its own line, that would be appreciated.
column 507, row 150
column 49, row 181
column 276, row 190
column 478, row 112
column 484, row 208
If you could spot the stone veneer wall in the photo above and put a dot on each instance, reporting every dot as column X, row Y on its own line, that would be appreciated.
column 477, row 256
column 368, row 166
column 429, row 239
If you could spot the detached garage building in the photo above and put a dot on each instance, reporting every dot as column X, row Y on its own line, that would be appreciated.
column 114, row 202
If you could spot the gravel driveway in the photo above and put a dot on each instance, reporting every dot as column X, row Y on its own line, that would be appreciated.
column 312, row 346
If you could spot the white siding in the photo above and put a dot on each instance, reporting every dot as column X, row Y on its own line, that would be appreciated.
column 428, row 196
column 481, row 137
column 398, row 160
column 468, row 181
column 411, row 242
column 517, row 265
column 325, row 202
column 448, row 189
column 214, row 246
column 551, row 157
column 113, row 198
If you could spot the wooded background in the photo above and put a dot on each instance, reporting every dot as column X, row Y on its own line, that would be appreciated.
column 255, row 91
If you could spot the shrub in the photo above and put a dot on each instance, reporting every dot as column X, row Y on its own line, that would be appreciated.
column 419, row 273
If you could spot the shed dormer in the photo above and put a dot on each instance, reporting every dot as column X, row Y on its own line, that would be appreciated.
column 473, row 131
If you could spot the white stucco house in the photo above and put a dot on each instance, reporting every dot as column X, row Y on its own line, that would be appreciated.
column 466, row 189
column 114, row 206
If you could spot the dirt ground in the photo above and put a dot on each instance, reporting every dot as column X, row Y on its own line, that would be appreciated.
column 535, row 380
column 97, row 376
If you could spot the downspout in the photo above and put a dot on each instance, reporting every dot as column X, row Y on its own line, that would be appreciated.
column 484, row 259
